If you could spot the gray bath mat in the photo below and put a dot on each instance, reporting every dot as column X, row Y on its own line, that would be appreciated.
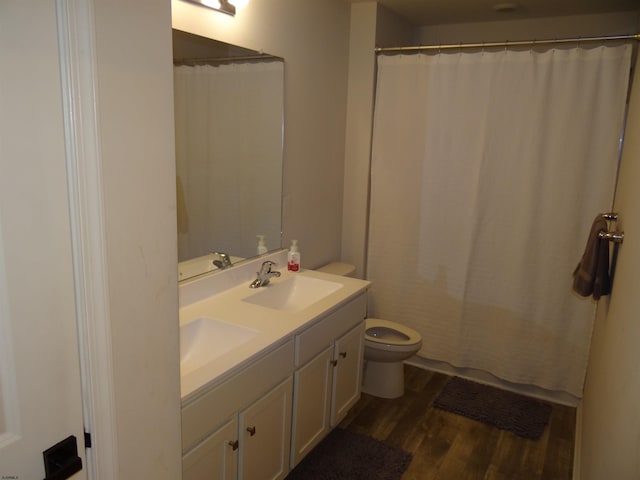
column 344, row 455
column 509, row 411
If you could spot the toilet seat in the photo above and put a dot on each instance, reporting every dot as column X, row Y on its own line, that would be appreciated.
column 389, row 335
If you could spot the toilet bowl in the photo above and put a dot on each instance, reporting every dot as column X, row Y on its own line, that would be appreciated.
column 386, row 345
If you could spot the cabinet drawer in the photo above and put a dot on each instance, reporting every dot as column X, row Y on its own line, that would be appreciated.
column 316, row 338
column 203, row 415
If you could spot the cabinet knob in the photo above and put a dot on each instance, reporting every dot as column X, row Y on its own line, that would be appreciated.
column 251, row 430
column 233, row 444
column 334, row 362
column 343, row 354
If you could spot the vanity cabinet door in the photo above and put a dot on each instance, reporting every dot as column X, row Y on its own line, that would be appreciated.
column 311, row 404
column 265, row 435
column 347, row 376
column 216, row 457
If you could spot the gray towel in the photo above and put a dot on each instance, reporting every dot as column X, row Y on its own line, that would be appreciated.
column 591, row 276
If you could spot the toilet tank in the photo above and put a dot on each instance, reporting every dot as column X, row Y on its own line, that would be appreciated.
column 338, row 268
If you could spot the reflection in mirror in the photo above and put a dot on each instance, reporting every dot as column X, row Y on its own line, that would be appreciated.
column 228, row 104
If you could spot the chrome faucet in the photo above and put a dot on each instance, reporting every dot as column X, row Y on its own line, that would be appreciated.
column 264, row 275
column 223, row 262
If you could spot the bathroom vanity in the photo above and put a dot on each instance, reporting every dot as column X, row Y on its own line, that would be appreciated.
column 290, row 371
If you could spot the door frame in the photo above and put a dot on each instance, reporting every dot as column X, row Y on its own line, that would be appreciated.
column 77, row 53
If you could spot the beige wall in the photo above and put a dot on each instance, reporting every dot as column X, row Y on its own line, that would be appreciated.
column 313, row 38
column 371, row 25
column 135, row 115
column 358, row 142
column 610, row 436
column 393, row 30
column 538, row 28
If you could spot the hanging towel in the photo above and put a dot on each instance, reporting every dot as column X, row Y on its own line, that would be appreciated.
column 591, row 276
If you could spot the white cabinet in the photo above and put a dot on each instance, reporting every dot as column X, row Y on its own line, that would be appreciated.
column 312, row 410
column 253, row 445
column 214, row 458
column 328, row 375
column 347, row 378
column 241, row 428
column 259, row 422
column 265, row 436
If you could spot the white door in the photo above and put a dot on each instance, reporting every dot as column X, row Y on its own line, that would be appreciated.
column 40, row 396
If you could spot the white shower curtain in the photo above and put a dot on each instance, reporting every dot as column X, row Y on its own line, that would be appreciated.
column 487, row 170
column 228, row 122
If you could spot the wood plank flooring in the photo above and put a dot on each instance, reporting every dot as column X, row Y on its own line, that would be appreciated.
column 446, row 446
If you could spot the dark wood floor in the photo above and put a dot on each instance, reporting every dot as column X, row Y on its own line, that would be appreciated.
column 446, row 446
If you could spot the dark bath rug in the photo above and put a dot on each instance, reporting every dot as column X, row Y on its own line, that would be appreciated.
column 344, row 455
column 509, row 411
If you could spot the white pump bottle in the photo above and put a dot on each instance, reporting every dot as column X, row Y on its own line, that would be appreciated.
column 293, row 257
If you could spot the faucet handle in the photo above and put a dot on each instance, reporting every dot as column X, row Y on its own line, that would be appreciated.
column 266, row 266
column 264, row 275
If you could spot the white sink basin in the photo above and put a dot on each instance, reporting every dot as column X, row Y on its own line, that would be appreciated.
column 205, row 339
column 294, row 293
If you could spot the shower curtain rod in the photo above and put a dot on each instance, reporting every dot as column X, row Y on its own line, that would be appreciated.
column 521, row 43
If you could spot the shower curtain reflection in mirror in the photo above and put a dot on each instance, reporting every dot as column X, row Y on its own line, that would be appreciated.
column 487, row 170
column 228, row 156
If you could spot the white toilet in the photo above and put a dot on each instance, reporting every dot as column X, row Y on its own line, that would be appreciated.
column 386, row 345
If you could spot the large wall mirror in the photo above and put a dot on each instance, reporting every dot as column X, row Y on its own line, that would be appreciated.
column 229, row 125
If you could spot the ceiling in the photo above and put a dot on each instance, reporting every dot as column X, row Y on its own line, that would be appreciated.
column 437, row 12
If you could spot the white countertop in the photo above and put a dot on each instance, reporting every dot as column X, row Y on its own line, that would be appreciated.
column 273, row 327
